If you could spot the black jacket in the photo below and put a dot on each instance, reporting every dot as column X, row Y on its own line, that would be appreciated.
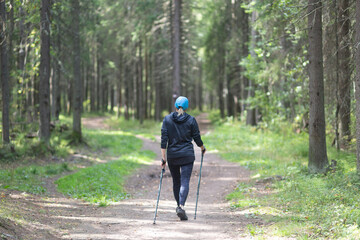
column 177, row 133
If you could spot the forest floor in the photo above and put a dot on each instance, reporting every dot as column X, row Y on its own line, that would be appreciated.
column 56, row 216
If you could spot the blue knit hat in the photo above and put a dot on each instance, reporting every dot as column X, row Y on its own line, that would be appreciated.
column 182, row 102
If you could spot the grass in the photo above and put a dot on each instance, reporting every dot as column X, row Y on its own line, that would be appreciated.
column 148, row 129
column 103, row 183
column 28, row 148
column 114, row 155
column 302, row 205
column 31, row 178
column 112, row 143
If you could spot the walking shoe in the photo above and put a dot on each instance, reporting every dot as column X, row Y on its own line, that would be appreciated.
column 181, row 213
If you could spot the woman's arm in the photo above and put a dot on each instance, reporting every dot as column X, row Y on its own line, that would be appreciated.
column 164, row 142
column 163, row 158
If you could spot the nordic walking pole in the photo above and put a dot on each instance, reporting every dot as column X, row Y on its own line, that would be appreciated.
column 157, row 203
column 198, row 188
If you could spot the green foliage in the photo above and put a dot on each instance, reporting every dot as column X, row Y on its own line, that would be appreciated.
column 260, row 149
column 113, row 143
column 24, row 146
column 31, row 178
column 215, row 117
column 302, row 205
column 242, row 197
column 194, row 112
column 103, row 183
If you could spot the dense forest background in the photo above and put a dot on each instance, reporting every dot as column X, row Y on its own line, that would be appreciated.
column 261, row 62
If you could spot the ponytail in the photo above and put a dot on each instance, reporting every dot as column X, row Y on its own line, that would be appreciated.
column 180, row 111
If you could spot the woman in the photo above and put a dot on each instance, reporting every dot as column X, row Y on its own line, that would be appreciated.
column 177, row 132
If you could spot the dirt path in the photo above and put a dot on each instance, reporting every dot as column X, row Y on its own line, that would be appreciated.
column 63, row 218
column 133, row 219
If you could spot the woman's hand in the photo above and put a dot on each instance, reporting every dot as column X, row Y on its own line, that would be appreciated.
column 203, row 149
column 163, row 163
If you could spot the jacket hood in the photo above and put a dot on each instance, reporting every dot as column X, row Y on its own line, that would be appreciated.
column 179, row 118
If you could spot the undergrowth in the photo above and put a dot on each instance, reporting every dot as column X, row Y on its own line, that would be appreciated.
column 301, row 205
column 31, row 178
column 113, row 155
column 25, row 143
column 103, row 183
column 120, row 152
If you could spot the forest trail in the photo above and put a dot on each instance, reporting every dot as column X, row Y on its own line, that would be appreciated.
column 58, row 217
column 133, row 218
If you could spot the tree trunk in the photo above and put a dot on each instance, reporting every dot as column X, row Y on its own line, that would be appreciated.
column 44, row 93
column 317, row 139
column 176, row 49
column 140, row 86
column 344, row 72
column 105, row 94
column 56, row 104
column 98, row 79
column 251, row 111
column 77, row 98
column 230, row 96
column 4, row 76
column 127, row 91
column 11, row 36
column 151, row 91
column 146, row 62
column 357, row 84
column 244, row 53
column 119, row 81
column 70, row 89
column 85, row 83
column 21, row 64
column 220, row 96
column 93, row 83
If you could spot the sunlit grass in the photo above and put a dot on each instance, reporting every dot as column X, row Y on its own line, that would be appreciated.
column 103, row 183
column 117, row 153
column 311, row 206
column 31, row 178
column 113, row 143
column 148, row 129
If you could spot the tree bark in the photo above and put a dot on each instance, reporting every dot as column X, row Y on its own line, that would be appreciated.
column 344, row 72
column 56, row 104
column 357, row 84
column 4, row 76
column 105, row 94
column 23, row 50
column 251, row 111
column 98, row 81
column 127, row 91
column 176, row 49
column 244, row 53
column 146, row 68
column 318, row 160
column 119, row 81
column 140, row 86
column 44, row 88
column 93, row 82
column 77, row 94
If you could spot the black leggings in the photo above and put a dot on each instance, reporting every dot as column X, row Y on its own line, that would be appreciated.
column 181, row 178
